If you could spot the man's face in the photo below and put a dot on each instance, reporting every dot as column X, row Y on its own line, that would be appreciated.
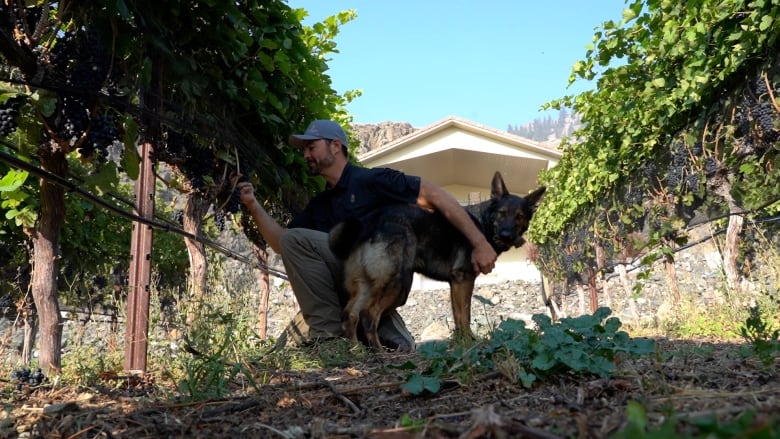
column 318, row 155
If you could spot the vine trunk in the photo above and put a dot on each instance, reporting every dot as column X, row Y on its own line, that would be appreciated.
column 45, row 239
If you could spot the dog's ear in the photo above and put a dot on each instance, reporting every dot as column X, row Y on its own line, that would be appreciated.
column 535, row 197
column 497, row 187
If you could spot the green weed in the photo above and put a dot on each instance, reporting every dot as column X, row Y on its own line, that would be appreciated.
column 696, row 321
column 764, row 339
column 589, row 344
column 747, row 426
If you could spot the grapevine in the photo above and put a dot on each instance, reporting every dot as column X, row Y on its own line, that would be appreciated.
column 679, row 116
column 87, row 65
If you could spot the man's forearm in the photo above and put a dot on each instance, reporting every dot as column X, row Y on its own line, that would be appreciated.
column 445, row 203
column 483, row 256
column 269, row 228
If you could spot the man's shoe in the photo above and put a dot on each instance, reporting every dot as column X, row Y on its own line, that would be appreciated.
column 299, row 334
column 393, row 334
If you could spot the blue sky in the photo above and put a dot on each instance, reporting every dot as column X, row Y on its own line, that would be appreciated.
column 494, row 62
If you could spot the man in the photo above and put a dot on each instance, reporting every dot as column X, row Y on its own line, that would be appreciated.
column 315, row 274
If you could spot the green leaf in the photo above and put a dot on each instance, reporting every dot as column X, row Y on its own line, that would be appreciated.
column 225, row 156
column 46, row 103
column 526, row 379
column 13, row 180
column 766, row 23
column 105, row 180
column 637, row 422
column 26, row 218
column 121, row 6
column 410, row 424
column 543, row 361
column 643, row 346
column 130, row 159
column 408, row 365
column 628, row 14
column 418, row 384
column 612, row 325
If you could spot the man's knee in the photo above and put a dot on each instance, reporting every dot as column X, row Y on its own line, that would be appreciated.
column 290, row 239
column 293, row 239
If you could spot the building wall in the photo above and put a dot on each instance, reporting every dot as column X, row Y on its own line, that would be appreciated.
column 513, row 265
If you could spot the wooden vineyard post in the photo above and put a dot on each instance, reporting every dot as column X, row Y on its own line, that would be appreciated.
column 139, row 281
column 137, row 330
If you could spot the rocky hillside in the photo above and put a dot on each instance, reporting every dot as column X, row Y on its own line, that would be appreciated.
column 548, row 131
column 373, row 136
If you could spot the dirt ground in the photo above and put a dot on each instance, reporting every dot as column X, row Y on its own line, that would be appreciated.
column 687, row 382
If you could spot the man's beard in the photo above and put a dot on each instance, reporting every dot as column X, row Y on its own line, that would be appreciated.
column 315, row 166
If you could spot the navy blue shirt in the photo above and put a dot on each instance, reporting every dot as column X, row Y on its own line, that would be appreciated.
column 358, row 192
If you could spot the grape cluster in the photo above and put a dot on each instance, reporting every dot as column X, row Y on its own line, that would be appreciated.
column 193, row 160
column 697, row 149
column 219, row 219
column 197, row 183
column 675, row 173
column 759, row 86
column 711, row 166
column 178, row 216
column 651, row 172
column 763, row 113
column 102, row 133
column 23, row 376
column 73, row 119
column 693, row 182
column 199, row 162
column 26, row 19
column 229, row 198
column 634, row 196
column 6, row 303
column 9, row 110
column 172, row 147
column 234, row 203
column 80, row 64
column 82, row 61
column 741, row 123
column 759, row 112
column 99, row 281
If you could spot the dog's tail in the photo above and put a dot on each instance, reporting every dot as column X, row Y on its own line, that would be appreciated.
column 344, row 237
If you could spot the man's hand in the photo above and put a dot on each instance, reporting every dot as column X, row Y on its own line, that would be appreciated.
column 269, row 228
column 483, row 258
column 247, row 193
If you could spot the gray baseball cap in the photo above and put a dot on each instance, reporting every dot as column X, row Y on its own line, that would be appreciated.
column 320, row 129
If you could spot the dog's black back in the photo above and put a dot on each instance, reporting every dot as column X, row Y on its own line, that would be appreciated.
column 383, row 250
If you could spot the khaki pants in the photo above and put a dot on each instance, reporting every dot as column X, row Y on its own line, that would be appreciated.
column 317, row 280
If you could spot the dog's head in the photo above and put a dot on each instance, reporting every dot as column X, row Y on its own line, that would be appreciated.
column 508, row 216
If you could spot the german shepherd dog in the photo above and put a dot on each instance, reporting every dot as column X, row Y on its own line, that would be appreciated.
column 383, row 250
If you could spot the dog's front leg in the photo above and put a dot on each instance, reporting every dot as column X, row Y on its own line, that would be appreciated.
column 460, row 295
column 350, row 321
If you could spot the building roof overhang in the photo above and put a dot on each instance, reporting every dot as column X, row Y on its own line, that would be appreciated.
column 455, row 151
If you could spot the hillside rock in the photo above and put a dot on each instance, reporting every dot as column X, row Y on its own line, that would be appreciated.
column 373, row 136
